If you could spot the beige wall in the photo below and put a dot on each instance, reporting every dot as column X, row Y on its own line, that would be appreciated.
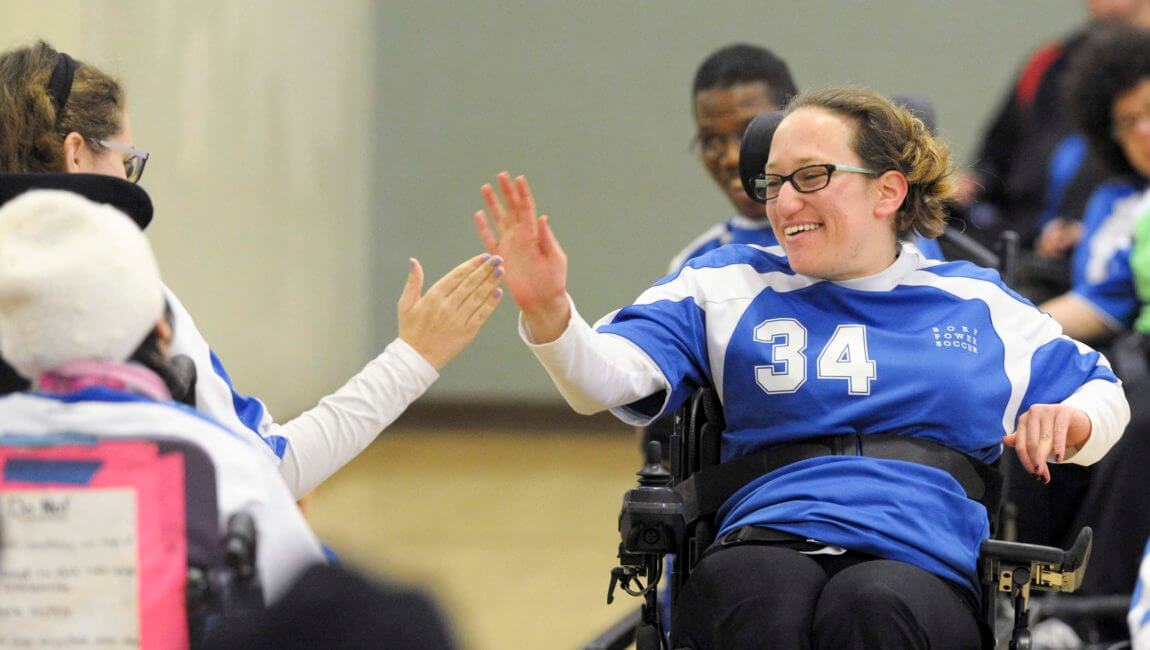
column 256, row 115
column 303, row 150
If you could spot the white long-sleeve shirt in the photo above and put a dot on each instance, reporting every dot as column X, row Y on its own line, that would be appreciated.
column 311, row 447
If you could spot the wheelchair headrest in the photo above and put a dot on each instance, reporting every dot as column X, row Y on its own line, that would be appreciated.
column 756, row 147
column 129, row 198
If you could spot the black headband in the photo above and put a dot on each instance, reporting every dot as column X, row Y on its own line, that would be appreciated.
column 60, row 85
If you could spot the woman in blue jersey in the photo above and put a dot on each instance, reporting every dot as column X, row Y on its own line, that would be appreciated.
column 1109, row 92
column 844, row 331
column 62, row 115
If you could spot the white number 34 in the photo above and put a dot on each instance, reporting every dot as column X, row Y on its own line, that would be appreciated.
column 843, row 357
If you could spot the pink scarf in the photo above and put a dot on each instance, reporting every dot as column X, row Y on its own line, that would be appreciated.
column 77, row 375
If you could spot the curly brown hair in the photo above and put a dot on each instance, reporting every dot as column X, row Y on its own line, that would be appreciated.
column 888, row 137
column 31, row 133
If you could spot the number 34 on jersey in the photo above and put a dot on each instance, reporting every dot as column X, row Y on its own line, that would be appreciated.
column 843, row 358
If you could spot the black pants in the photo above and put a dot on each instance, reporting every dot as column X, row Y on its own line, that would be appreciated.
column 766, row 596
column 1117, row 505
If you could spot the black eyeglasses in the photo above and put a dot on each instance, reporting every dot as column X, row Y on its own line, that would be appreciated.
column 133, row 163
column 805, row 179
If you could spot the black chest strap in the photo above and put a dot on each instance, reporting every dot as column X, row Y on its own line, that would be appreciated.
column 706, row 490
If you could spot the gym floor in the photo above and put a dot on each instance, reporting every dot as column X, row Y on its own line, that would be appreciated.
column 514, row 532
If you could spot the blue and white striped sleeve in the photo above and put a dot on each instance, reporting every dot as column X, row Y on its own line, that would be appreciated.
column 1042, row 365
column 640, row 361
column 1100, row 271
column 594, row 371
column 1139, row 617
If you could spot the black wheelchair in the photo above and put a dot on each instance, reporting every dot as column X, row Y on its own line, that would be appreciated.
column 670, row 513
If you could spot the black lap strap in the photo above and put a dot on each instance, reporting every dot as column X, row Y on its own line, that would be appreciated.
column 706, row 490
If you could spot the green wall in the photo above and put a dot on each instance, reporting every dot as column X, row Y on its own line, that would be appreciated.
column 591, row 101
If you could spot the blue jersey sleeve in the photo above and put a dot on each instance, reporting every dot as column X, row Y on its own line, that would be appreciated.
column 672, row 332
column 1059, row 367
column 669, row 321
column 1100, row 269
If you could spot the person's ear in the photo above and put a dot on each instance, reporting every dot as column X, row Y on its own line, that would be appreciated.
column 75, row 151
column 892, row 188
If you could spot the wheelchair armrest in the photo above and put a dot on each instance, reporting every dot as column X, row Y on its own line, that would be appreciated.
column 1050, row 568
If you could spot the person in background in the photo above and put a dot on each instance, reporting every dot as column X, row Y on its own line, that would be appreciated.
column 732, row 86
column 1034, row 172
column 58, row 114
column 1109, row 97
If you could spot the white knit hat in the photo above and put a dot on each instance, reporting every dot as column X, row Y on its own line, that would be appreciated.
column 77, row 281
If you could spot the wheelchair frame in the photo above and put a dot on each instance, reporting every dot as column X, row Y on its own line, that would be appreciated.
column 1004, row 567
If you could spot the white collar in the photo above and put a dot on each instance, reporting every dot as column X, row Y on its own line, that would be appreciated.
column 909, row 260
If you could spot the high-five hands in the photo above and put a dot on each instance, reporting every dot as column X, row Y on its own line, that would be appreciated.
column 536, row 264
column 440, row 323
column 1047, row 429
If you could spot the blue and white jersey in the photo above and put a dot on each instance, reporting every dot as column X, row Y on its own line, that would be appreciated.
column 1100, row 267
column 942, row 351
column 215, row 394
column 736, row 230
column 741, row 230
column 1139, row 618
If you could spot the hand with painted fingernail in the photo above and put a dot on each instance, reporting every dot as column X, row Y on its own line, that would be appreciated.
column 440, row 323
column 1045, row 432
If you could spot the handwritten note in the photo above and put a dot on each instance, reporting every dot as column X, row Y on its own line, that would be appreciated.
column 69, row 574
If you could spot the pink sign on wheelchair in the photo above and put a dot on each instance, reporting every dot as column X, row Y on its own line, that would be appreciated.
column 95, row 549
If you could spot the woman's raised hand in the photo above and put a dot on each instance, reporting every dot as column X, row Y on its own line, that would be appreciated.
column 1046, row 430
column 440, row 323
column 536, row 265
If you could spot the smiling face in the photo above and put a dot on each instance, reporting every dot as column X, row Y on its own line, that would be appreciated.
column 845, row 230
column 722, row 115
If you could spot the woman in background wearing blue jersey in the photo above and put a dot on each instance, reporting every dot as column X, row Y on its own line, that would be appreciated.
column 61, row 115
column 851, row 333
column 1108, row 91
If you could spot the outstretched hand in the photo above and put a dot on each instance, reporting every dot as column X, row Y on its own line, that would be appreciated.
column 1045, row 430
column 536, row 264
column 440, row 323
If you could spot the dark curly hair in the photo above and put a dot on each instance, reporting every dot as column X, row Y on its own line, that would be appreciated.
column 1113, row 60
